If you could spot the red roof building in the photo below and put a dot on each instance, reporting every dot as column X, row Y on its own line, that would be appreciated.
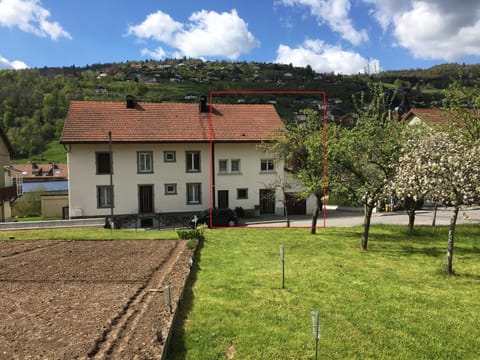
column 167, row 158
column 90, row 122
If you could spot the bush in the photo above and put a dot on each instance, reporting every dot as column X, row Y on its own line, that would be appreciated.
column 29, row 205
column 196, row 234
column 249, row 213
column 239, row 211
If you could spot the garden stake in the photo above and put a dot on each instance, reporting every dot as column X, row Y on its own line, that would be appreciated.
column 282, row 258
column 168, row 296
column 316, row 329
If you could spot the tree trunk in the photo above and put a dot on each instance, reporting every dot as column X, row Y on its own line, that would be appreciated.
column 451, row 239
column 285, row 209
column 366, row 225
column 315, row 214
column 411, row 220
column 435, row 207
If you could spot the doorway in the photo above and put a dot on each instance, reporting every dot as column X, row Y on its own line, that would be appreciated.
column 145, row 199
column 267, row 201
column 223, row 199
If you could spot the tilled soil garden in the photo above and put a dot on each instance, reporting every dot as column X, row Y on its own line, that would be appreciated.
column 89, row 299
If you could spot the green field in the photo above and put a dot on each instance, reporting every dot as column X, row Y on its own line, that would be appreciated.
column 391, row 302
column 86, row 234
column 54, row 152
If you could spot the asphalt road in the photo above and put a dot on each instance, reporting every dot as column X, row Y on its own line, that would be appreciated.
column 353, row 218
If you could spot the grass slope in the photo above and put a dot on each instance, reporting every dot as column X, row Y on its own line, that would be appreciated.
column 55, row 152
column 391, row 302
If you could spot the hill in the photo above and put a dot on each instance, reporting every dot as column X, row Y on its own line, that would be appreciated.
column 34, row 102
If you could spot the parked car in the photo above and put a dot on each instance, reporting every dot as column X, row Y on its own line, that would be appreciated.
column 220, row 217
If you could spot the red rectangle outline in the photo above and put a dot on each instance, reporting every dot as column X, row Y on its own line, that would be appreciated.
column 264, row 92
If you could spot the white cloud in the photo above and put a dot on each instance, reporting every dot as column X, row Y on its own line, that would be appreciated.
column 156, row 54
column 335, row 13
column 12, row 65
column 326, row 58
column 432, row 29
column 207, row 33
column 158, row 26
column 29, row 16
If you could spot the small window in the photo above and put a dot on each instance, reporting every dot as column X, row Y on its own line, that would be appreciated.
column 193, row 161
column 222, row 166
column 145, row 162
column 169, row 156
column 103, row 163
column 235, row 165
column 170, row 189
column 194, row 193
column 104, row 196
column 267, row 165
column 242, row 193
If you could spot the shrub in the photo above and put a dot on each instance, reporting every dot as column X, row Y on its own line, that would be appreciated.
column 239, row 211
column 29, row 205
column 191, row 234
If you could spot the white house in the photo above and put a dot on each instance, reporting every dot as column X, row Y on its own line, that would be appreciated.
column 170, row 158
column 11, row 182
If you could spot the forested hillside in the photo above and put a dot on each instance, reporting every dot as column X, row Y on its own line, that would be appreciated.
column 34, row 102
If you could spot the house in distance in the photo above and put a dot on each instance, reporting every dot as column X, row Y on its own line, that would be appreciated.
column 148, row 159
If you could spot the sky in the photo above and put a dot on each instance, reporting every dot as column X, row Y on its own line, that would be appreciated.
column 340, row 36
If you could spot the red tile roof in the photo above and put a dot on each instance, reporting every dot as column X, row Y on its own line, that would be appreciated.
column 32, row 172
column 89, row 122
column 430, row 116
column 440, row 116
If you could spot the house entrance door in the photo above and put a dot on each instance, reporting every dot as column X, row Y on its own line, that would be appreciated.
column 145, row 199
column 267, row 201
column 222, row 199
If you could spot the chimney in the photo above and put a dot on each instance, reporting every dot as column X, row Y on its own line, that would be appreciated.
column 131, row 102
column 203, row 105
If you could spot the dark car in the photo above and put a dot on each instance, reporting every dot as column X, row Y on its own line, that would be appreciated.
column 220, row 217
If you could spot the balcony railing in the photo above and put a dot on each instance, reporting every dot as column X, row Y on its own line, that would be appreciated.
column 8, row 193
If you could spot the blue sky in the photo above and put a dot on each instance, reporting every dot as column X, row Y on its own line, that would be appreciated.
column 343, row 36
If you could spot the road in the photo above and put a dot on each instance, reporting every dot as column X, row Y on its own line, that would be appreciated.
column 340, row 218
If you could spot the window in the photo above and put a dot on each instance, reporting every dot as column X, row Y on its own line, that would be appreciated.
column 194, row 193
column 103, row 163
column 104, row 196
column 242, row 193
column 170, row 189
column 235, row 165
column 266, row 165
column 224, row 169
column 222, row 166
column 169, row 156
column 145, row 162
column 193, row 161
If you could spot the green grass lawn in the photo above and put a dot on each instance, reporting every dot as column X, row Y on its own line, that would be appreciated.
column 86, row 234
column 391, row 302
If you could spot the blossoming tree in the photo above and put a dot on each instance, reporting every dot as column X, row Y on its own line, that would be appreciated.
column 442, row 167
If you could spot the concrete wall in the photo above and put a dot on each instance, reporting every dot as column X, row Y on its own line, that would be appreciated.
column 52, row 205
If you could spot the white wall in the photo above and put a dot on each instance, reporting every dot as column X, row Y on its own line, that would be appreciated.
column 83, row 180
column 250, row 176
